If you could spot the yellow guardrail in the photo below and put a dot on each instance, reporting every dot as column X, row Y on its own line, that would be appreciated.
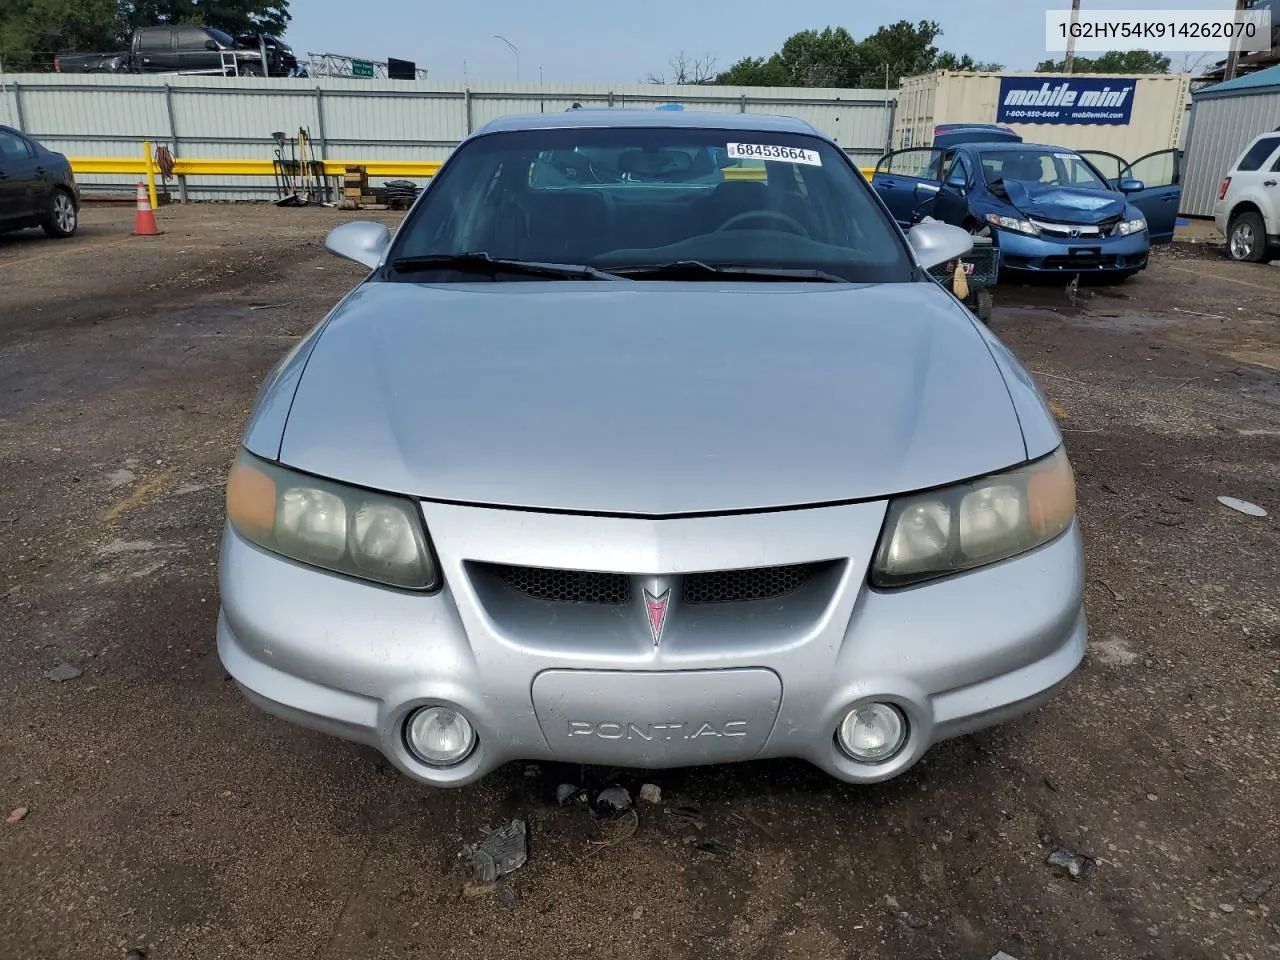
column 250, row 168
column 145, row 166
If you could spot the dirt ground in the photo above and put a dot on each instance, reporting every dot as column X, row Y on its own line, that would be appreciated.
column 166, row 814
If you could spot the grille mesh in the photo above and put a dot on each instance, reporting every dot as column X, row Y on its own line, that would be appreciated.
column 565, row 586
column 737, row 586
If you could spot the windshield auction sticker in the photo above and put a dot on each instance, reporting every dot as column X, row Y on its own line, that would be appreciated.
column 766, row 151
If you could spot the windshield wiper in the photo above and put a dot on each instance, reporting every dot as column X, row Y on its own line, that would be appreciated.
column 480, row 262
column 698, row 270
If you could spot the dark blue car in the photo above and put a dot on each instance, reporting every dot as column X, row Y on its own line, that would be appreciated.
column 1050, row 209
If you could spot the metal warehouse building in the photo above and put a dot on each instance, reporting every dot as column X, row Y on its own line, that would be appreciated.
column 1224, row 118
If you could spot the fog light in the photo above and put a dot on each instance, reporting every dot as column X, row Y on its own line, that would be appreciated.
column 439, row 735
column 872, row 732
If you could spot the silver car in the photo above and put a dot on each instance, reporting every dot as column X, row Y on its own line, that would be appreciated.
column 677, row 459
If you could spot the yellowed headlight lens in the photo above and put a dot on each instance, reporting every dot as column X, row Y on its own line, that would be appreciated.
column 1051, row 495
column 975, row 523
column 251, row 499
column 323, row 523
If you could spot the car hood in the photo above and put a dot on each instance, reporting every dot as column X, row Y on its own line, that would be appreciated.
column 650, row 398
column 1064, row 204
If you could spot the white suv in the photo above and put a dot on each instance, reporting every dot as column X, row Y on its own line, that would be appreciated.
column 1248, row 207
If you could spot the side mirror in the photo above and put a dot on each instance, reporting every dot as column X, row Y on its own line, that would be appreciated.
column 211, row 45
column 957, row 183
column 936, row 243
column 1131, row 186
column 360, row 240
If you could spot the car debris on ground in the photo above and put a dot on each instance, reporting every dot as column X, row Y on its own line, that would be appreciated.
column 1077, row 865
column 501, row 852
column 1243, row 506
column 1255, row 891
column 613, row 800
column 63, row 672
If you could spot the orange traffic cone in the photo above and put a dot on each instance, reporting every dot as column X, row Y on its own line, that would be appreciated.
column 144, row 221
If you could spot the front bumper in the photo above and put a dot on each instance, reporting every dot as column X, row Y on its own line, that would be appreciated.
column 1043, row 254
column 1222, row 215
column 354, row 660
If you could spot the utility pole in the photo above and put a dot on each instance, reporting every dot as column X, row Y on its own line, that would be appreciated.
column 1071, row 36
column 1233, row 54
column 514, row 49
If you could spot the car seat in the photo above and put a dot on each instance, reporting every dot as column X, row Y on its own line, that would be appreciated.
column 729, row 199
column 1027, row 169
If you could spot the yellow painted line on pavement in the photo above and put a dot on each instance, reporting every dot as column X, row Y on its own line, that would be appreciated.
column 1213, row 276
column 139, row 493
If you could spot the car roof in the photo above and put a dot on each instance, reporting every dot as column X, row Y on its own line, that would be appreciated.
column 1023, row 147
column 623, row 118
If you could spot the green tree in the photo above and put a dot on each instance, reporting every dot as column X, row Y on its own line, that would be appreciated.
column 33, row 31
column 755, row 72
column 949, row 61
column 1113, row 61
column 826, row 59
column 833, row 58
column 902, row 49
column 232, row 16
column 810, row 58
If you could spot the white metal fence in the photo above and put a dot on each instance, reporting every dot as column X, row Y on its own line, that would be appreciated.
column 101, row 115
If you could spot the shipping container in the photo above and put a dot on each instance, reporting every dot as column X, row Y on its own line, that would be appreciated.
column 1153, row 108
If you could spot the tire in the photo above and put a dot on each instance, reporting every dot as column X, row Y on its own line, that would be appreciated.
column 61, row 219
column 249, row 70
column 1247, row 237
column 982, row 308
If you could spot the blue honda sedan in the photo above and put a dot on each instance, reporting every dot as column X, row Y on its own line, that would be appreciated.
column 1049, row 209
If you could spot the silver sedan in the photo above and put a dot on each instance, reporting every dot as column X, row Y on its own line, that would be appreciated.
column 649, row 441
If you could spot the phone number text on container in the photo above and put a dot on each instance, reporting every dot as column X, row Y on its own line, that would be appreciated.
column 1057, row 114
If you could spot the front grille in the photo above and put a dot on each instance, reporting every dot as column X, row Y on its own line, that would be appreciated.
column 737, row 586
column 564, row 586
column 717, row 586
column 1058, row 228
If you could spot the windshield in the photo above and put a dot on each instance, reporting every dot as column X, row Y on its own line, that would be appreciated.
column 222, row 38
column 634, row 197
column 1058, row 169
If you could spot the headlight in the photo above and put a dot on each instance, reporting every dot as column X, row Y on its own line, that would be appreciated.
column 1131, row 226
column 929, row 535
column 1014, row 224
column 374, row 536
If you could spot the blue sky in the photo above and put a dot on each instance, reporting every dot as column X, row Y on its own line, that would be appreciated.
column 595, row 42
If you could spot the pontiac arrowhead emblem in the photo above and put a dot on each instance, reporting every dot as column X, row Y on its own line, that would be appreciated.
column 655, row 607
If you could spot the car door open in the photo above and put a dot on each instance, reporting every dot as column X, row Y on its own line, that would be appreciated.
column 906, row 181
column 1160, row 174
column 951, row 205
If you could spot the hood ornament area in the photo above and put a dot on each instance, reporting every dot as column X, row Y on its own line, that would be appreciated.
column 656, row 605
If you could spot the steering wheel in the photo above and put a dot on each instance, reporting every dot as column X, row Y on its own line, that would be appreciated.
column 788, row 221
